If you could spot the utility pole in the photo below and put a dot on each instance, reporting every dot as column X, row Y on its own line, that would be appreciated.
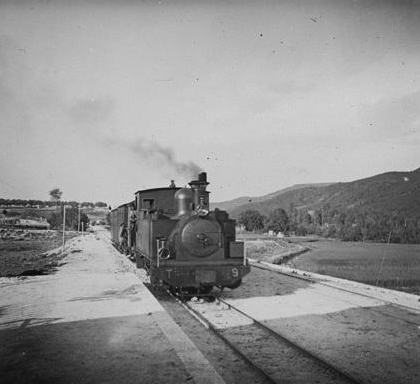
column 64, row 225
column 78, row 221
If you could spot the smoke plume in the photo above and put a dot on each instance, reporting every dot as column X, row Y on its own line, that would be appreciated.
column 163, row 157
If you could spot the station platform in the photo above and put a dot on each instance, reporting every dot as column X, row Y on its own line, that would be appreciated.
column 92, row 321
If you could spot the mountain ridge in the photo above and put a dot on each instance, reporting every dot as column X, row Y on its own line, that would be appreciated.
column 242, row 200
column 394, row 191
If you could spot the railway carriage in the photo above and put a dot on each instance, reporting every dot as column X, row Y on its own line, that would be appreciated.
column 120, row 216
column 180, row 242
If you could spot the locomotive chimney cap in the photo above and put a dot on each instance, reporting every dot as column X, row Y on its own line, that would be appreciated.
column 202, row 177
column 202, row 180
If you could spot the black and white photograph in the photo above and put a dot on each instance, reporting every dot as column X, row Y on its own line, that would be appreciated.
column 210, row 191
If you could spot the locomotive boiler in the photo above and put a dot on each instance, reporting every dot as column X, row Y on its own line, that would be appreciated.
column 179, row 241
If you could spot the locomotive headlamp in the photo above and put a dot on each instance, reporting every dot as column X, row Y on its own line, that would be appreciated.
column 164, row 253
column 162, row 249
column 202, row 212
column 202, row 208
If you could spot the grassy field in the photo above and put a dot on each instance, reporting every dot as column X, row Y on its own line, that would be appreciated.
column 395, row 266
column 24, row 252
column 27, row 212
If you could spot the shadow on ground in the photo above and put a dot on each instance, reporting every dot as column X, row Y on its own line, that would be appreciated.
column 110, row 350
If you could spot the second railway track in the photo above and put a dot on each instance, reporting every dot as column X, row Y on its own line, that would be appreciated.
column 276, row 357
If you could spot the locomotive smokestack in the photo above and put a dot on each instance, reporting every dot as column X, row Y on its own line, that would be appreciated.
column 199, row 190
column 202, row 177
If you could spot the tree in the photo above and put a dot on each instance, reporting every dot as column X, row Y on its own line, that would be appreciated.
column 278, row 220
column 55, row 195
column 101, row 204
column 252, row 220
column 72, row 217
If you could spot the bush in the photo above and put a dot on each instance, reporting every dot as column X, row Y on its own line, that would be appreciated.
column 72, row 215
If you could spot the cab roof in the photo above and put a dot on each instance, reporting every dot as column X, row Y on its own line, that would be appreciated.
column 159, row 189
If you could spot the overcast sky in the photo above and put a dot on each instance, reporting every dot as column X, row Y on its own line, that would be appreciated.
column 103, row 98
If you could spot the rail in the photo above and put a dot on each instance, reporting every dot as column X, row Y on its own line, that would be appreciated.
column 329, row 366
column 207, row 324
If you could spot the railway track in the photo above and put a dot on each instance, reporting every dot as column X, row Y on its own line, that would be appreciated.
column 267, row 377
column 275, row 356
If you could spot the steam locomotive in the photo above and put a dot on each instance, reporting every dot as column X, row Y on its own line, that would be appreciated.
column 178, row 240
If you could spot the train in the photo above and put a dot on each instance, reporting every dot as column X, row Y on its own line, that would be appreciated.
column 172, row 233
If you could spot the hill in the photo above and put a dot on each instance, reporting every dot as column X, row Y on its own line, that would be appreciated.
column 239, row 202
column 385, row 193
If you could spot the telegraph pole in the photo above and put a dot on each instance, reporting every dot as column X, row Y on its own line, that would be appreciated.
column 78, row 221
column 64, row 225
